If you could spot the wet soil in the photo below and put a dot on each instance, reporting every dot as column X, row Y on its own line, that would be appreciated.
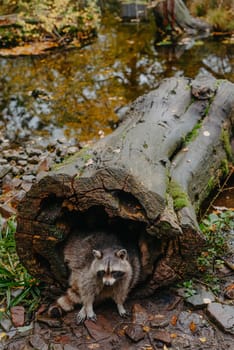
column 164, row 321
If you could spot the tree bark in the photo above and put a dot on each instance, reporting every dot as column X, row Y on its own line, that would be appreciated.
column 147, row 179
column 175, row 14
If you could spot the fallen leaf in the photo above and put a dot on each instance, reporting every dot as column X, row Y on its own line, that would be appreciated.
column 203, row 339
column 193, row 327
column 146, row 329
column 174, row 320
column 173, row 335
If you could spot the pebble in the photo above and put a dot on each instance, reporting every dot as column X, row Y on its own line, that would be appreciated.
column 38, row 342
column 17, row 316
column 135, row 332
column 201, row 299
column 222, row 315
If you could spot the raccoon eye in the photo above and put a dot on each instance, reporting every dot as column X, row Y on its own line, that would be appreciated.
column 118, row 274
column 100, row 273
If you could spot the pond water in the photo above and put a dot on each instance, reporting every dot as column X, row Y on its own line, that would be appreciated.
column 75, row 93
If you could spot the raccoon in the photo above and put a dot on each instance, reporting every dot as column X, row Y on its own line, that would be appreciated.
column 100, row 267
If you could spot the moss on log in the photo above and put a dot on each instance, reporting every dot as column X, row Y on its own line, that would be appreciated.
column 146, row 179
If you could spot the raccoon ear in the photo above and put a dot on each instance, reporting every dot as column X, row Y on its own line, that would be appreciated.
column 97, row 254
column 122, row 254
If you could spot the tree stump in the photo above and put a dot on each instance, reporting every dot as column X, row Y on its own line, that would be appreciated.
column 146, row 179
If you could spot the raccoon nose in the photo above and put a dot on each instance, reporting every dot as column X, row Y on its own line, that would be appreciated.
column 107, row 283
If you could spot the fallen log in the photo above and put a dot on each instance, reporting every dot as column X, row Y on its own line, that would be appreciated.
column 146, row 179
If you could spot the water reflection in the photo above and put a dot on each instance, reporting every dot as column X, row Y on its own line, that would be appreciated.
column 75, row 93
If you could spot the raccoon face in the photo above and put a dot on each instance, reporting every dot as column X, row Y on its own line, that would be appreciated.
column 110, row 266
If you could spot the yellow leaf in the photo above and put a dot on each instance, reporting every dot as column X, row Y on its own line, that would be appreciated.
column 203, row 339
column 146, row 329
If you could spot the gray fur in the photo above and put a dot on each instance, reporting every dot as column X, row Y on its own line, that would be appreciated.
column 101, row 267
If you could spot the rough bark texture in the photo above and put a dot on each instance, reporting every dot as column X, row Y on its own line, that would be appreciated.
column 146, row 179
column 176, row 14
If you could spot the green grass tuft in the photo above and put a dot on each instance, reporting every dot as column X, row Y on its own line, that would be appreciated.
column 17, row 287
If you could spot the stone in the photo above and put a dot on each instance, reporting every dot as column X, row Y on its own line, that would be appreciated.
column 201, row 299
column 159, row 321
column 38, row 342
column 69, row 347
column 222, row 315
column 18, row 316
column 4, row 169
column 135, row 332
column 5, row 323
column 189, row 322
column 6, row 211
column 139, row 314
column 54, row 346
column 162, row 336
column 100, row 330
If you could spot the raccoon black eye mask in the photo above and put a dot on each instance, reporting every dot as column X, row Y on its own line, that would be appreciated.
column 97, row 274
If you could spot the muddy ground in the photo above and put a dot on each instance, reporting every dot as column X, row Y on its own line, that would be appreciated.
column 167, row 320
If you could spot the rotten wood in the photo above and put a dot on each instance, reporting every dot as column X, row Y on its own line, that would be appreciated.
column 146, row 179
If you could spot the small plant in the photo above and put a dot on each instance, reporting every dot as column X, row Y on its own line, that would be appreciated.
column 214, row 227
column 16, row 285
column 188, row 288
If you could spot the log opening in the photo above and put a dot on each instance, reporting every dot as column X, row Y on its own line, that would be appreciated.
column 145, row 180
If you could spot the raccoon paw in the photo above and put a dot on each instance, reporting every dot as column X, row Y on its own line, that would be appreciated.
column 82, row 316
column 122, row 311
column 55, row 311
column 125, row 314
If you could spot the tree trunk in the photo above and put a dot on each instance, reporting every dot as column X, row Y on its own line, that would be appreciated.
column 172, row 15
column 147, row 179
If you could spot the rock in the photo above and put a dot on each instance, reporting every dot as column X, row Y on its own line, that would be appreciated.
column 162, row 336
column 222, row 315
column 139, row 314
column 201, row 299
column 159, row 321
column 69, row 347
column 5, row 323
column 6, row 211
column 135, row 332
column 100, row 330
column 19, row 345
column 72, row 150
column 189, row 322
column 28, row 178
column 31, row 152
column 38, row 342
column 54, row 346
column 18, row 316
column 4, row 169
column 3, row 161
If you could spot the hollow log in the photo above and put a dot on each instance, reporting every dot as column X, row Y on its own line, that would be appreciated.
column 146, row 179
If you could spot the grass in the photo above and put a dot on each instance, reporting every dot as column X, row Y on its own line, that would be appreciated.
column 17, row 287
column 215, row 227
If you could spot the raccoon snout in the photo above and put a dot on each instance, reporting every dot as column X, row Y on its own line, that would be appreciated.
column 108, row 282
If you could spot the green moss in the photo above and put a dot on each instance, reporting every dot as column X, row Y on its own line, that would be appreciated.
column 224, row 167
column 180, row 198
column 83, row 154
column 226, row 143
column 210, row 185
column 192, row 134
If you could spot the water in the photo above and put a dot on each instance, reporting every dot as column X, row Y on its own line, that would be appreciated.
column 75, row 93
